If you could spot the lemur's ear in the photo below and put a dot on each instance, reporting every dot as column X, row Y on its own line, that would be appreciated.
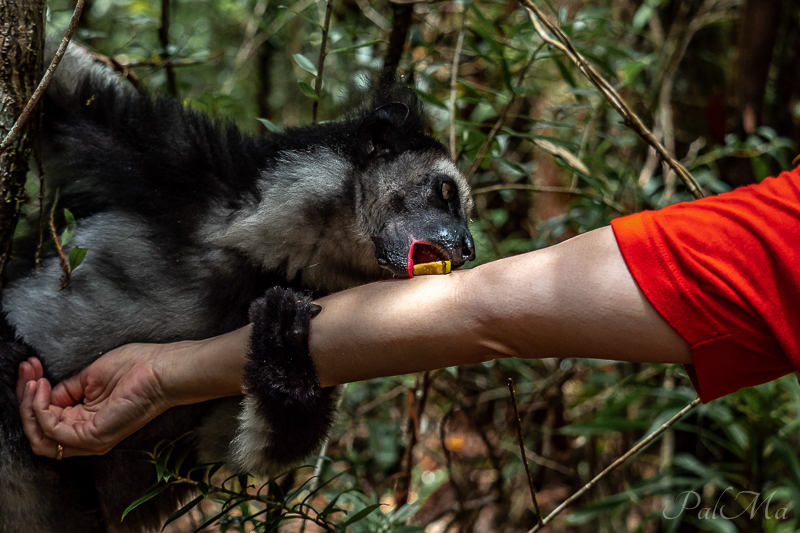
column 377, row 132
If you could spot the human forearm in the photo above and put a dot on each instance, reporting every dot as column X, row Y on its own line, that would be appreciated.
column 195, row 371
column 576, row 299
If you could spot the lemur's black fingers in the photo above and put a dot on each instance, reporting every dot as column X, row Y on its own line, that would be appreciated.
column 280, row 374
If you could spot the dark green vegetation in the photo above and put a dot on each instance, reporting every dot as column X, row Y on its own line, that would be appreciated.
column 547, row 158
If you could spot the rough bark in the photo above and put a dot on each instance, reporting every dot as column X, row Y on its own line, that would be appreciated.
column 21, row 68
column 757, row 32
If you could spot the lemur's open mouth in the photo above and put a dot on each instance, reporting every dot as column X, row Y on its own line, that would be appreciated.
column 422, row 252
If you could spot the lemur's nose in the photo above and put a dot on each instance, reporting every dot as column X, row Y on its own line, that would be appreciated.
column 468, row 248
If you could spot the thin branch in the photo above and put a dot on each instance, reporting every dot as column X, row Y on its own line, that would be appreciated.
column 544, row 462
column 370, row 12
column 62, row 258
column 48, row 75
column 547, row 189
column 382, row 399
column 484, row 149
column 553, row 36
column 250, row 35
column 522, row 452
column 453, row 84
column 171, row 62
column 642, row 444
column 321, row 63
column 124, row 69
column 449, row 461
column 40, row 170
column 323, row 452
column 414, row 416
column 163, row 36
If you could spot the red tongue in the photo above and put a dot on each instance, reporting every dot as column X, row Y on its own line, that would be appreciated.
column 422, row 252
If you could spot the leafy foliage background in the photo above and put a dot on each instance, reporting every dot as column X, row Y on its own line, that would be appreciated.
column 560, row 164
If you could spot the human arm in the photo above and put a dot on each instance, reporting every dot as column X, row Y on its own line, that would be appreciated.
column 576, row 299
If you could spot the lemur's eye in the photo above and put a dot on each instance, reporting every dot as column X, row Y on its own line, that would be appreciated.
column 447, row 191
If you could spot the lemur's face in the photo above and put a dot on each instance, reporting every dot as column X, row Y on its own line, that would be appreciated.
column 416, row 210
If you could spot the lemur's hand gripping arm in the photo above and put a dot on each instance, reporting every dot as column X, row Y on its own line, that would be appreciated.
column 287, row 411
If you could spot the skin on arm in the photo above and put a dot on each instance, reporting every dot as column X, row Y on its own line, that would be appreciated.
column 576, row 299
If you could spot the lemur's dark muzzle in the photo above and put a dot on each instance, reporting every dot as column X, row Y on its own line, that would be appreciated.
column 399, row 251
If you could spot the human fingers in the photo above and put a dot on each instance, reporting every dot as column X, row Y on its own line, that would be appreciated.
column 50, row 427
column 71, row 390
column 24, row 375
column 40, row 444
column 30, row 370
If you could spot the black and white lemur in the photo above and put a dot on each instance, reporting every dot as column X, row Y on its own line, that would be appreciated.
column 189, row 224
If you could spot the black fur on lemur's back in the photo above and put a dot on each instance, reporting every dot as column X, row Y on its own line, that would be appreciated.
column 194, row 229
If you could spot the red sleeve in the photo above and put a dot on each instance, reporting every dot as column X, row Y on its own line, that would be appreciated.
column 725, row 273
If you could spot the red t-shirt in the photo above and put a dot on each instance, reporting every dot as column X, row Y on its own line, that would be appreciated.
column 725, row 273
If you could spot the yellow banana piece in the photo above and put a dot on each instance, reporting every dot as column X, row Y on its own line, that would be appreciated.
column 437, row 267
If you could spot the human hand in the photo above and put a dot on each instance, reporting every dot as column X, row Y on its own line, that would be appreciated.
column 120, row 392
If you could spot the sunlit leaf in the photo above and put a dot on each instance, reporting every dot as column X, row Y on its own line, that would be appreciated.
column 271, row 126
column 305, row 64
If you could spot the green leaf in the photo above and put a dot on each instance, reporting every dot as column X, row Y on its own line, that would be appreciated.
column 149, row 496
column 203, row 488
column 182, row 511
column 225, row 509
column 69, row 230
column 330, row 508
column 431, row 99
column 362, row 514
column 504, row 70
column 356, row 46
column 315, row 23
column 760, row 168
column 76, row 257
column 565, row 73
column 181, row 458
column 307, row 90
column 161, row 462
column 271, row 126
column 645, row 13
column 276, row 492
column 305, row 64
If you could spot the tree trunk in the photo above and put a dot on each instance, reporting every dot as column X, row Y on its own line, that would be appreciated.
column 757, row 31
column 401, row 23
column 21, row 68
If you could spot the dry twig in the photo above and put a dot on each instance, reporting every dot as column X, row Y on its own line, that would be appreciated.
column 522, row 451
column 321, row 63
column 553, row 36
column 642, row 444
column 62, row 258
column 453, row 83
column 48, row 75
column 414, row 416
column 163, row 37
